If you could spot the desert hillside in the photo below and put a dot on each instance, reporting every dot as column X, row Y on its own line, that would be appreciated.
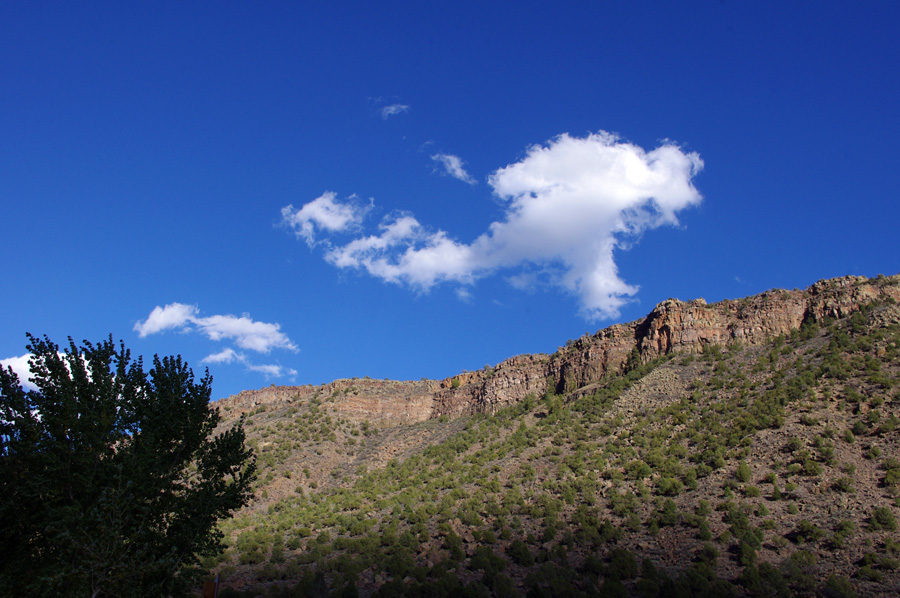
column 746, row 448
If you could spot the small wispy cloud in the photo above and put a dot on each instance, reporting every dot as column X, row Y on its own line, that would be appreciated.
column 393, row 110
column 268, row 370
column 271, row 370
column 453, row 166
column 225, row 356
column 464, row 294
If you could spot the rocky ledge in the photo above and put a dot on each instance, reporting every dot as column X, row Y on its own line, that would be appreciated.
column 672, row 326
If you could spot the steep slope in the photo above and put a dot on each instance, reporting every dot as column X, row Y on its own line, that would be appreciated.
column 744, row 448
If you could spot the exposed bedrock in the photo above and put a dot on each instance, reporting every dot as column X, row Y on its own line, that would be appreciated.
column 672, row 326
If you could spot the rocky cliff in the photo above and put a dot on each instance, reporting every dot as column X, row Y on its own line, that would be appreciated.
column 672, row 326
column 384, row 402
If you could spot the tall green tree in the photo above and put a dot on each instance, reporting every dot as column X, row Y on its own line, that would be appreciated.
column 112, row 479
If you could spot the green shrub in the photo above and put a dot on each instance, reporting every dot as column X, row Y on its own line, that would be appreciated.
column 486, row 560
column 743, row 473
column 518, row 551
column 842, row 531
column 882, row 519
column 622, row 564
column 637, row 470
column 869, row 573
column 892, row 477
column 811, row 468
column 808, row 532
column 703, row 532
column 839, row 587
column 453, row 545
column 667, row 486
column 843, row 484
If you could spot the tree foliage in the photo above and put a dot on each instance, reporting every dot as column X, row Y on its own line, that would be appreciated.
column 112, row 478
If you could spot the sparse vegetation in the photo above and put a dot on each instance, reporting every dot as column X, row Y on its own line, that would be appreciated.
column 751, row 469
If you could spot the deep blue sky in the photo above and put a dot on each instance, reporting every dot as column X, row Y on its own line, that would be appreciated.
column 147, row 151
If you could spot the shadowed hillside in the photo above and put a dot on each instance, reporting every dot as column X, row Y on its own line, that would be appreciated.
column 748, row 447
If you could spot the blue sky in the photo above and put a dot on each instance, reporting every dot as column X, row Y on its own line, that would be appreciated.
column 291, row 193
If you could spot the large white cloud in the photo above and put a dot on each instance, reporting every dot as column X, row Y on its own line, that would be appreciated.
column 570, row 204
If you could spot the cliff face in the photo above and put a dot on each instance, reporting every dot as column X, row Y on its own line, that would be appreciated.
column 382, row 402
column 672, row 326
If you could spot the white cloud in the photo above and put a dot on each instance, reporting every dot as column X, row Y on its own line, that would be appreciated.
column 570, row 204
column 173, row 315
column 20, row 366
column 268, row 370
column 453, row 166
column 464, row 294
column 224, row 356
column 405, row 252
column 245, row 332
column 323, row 213
column 393, row 110
column 271, row 370
column 524, row 281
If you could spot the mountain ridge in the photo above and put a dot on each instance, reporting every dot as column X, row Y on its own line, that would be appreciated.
column 743, row 448
column 673, row 326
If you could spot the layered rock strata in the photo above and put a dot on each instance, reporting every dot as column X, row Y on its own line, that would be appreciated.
column 672, row 326
column 381, row 402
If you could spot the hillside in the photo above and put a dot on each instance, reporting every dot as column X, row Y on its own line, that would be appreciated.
column 747, row 447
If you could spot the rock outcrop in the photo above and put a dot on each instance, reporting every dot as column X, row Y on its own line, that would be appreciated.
column 672, row 326
column 382, row 402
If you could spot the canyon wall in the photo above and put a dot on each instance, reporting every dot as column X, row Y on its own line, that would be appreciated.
column 381, row 402
column 672, row 326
